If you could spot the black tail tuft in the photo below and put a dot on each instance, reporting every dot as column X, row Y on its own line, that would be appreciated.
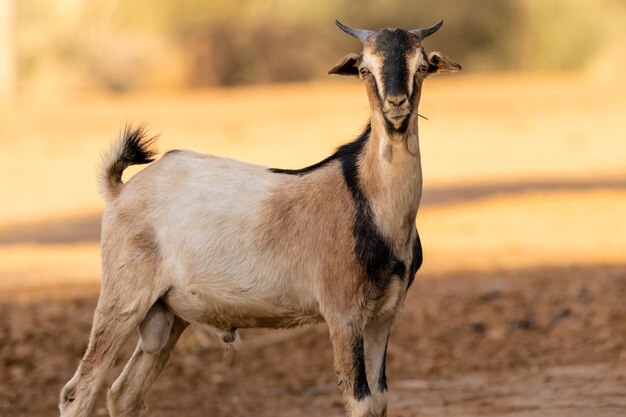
column 134, row 147
column 137, row 145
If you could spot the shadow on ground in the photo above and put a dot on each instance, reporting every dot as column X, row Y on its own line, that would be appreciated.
column 523, row 343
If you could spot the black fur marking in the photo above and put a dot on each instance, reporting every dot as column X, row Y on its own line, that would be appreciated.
column 306, row 170
column 395, row 47
column 361, row 389
column 405, row 123
column 342, row 152
column 372, row 250
column 382, row 376
column 137, row 145
column 137, row 150
column 418, row 258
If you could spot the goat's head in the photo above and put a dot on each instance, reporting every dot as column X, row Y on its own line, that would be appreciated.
column 393, row 65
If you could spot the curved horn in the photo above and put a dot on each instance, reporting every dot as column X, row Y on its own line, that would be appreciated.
column 424, row 33
column 360, row 34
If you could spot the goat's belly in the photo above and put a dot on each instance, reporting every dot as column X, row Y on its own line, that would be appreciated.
column 225, row 306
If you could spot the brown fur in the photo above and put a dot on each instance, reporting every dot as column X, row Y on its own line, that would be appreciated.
column 313, row 215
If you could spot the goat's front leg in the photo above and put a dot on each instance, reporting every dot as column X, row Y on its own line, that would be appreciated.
column 376, row 338
column 347, row 337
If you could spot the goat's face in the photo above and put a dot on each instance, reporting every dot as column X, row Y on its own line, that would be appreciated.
column 393, row 65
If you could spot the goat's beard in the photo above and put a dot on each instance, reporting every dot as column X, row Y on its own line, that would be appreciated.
column 397, row 125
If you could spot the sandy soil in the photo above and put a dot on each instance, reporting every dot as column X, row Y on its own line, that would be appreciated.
column 524, row 343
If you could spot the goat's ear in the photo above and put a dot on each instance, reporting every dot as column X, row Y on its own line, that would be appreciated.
column 348, row 65
column 438, row 63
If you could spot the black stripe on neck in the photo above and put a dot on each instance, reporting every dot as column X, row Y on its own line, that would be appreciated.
column 372, row 250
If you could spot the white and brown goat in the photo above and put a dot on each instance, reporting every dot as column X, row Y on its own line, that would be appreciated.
column 225, row 245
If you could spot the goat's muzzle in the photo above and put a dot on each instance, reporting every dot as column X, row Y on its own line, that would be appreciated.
column 396, row 107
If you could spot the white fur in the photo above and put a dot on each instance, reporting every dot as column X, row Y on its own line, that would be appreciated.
column 204, row 210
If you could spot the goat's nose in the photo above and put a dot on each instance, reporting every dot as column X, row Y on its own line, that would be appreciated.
column 396, row 100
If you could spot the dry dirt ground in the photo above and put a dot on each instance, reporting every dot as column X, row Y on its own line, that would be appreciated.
column 520, row 173
column 525, row 343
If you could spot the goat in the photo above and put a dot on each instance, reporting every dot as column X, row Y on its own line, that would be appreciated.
column 224, row 244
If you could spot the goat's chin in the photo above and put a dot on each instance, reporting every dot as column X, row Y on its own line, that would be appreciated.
column 397, row 121
column 398, row 118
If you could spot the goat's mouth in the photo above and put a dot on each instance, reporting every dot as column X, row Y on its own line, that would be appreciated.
column 397, row 115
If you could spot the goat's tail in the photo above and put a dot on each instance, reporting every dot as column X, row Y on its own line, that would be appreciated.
column 134, row 147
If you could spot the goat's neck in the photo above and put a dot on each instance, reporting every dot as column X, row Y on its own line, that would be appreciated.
column 391, row 176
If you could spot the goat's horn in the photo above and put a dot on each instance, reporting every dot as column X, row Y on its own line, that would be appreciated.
column 424, row 33
column 360, row 34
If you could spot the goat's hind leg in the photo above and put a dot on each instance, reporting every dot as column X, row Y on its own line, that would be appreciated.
column 117, row 315
column 159, row 333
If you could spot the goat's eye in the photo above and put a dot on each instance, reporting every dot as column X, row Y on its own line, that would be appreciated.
column 363, row 71
column 423, row 68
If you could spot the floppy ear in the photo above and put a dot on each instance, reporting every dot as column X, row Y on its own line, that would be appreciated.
column 438, row 63
column 348, row 65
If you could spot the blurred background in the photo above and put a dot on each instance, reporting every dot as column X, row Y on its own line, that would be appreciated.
column 522, row 221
